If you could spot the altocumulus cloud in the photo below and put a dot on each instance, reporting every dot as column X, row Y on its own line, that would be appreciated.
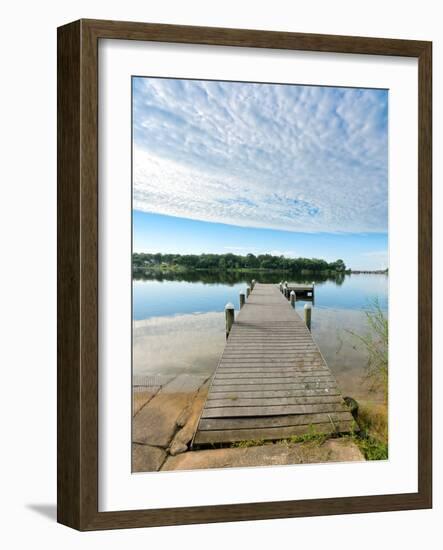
column 298, row 158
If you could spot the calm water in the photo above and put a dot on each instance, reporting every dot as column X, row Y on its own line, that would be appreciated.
column 178, row 294
column 179, row 322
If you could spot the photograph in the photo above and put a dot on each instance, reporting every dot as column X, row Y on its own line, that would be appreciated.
column 260, row 274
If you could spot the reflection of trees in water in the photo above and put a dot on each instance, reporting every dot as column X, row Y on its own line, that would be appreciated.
column 339, row 278
column 234, row 277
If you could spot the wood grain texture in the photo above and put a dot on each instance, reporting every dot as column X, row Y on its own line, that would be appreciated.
column 262, row 434
column 271, row 394
column 271, row 421
column 425, row 273
column 77, row 342
column 252, row 38
column 302, row 386
column 69, row 402
column 262, row 410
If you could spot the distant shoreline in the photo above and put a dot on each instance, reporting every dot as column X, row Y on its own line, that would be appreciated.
column 181, row 269
column 144, row 262
column 369, row 272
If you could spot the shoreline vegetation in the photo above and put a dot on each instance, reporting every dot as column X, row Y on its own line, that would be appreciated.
column 267, row 263
column 373, row 417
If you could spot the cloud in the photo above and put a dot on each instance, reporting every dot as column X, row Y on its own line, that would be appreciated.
column 298, row 158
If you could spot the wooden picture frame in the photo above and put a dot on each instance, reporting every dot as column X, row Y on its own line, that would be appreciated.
column 77, row 480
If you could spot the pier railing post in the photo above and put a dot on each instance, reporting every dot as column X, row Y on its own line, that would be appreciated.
column 242, row 299
column 252, row 284
column 248, row 292
column 292, row 296
column 308, row 313
column 229, row 316
column 281, row 286
column 286, row 290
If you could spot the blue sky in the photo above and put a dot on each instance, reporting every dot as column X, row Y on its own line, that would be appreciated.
column 261, row 168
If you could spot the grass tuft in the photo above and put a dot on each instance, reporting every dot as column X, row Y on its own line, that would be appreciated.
column 375, row 341
column 312, row 436
column 373, row 436
column 372, row 448
column 247, row 443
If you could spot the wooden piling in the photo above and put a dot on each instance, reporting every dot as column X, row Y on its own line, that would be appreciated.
column 229, row 316
column 308, row 314
column 242, row 299
column 248, row 292
column 292, row 297
column 252, row 284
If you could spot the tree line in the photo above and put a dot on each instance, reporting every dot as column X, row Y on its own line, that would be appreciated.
column 230, row 262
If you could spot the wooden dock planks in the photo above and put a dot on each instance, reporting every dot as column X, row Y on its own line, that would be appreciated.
column 272, row 381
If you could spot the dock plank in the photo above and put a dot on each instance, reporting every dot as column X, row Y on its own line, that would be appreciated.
column 270, row 433
column 271, row 386
column 220, row 412
column 271, row 393
column 264, row 402
column 272, row 421
column 272, row 381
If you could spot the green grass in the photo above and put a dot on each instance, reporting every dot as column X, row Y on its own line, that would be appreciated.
column 372, row 448
column 372, row 439
column 318, row 439
column 369, row 434
column 312, row 436
column 247, row 443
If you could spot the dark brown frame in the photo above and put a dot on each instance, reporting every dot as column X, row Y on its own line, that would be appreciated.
column 77, row 456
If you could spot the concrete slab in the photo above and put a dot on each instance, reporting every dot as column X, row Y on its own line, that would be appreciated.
column 141, row 397
column 188, row 420
column 146, row 458
column 155, row 423
column 333, row 450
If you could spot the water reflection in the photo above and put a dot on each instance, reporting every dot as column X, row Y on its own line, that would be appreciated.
column 233, row 277
column 178, row 293
column 179, row 321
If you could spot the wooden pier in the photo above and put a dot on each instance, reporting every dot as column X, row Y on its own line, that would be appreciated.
column 272, row 381
column 303, row 291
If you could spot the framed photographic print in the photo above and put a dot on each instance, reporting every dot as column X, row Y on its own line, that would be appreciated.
column 244, row 274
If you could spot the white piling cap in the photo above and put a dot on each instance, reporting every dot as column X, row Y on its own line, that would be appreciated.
column 313, row 283
column 292, row 293
column 229, row 306
column 308, row 306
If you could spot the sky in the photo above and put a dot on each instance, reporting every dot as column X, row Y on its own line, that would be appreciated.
column 263, row 168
